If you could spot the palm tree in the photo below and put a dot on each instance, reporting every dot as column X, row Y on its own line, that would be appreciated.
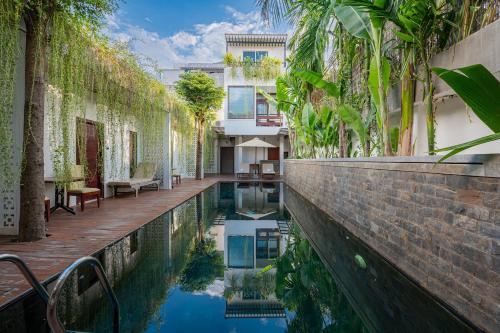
column 366, row 19
column 204, row 98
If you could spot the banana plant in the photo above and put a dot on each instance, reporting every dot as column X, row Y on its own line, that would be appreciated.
column 480, row 90
column 366, row 19
column 347, row 113
column 420, row 22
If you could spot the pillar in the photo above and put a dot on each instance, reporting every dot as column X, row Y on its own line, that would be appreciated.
column 282, row 154
column 167, row 167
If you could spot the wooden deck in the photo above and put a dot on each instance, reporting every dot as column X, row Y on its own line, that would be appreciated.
column 74, row 236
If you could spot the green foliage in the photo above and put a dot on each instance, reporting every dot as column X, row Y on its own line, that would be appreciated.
column 201, row 94
column 269, row 68
column 316, row 79
column 305, row 286
column 10, row 12
column 480, row 90
column 204, row 264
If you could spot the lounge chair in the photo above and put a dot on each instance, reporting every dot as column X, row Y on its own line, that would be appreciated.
column 143, row 177
column 80, row 189
column 244, row 171
column 267, row 170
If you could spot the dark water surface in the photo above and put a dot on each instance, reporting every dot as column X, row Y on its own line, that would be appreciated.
column 233, row 259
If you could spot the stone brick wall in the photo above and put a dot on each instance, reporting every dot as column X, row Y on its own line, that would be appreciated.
column 439, row 224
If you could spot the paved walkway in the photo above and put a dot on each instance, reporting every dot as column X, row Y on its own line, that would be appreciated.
column 74, row 236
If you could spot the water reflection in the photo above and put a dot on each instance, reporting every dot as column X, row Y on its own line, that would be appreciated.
column 232, row 260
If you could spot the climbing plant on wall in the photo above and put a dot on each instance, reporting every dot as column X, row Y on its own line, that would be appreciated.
column 9, row 51
column 267, row 69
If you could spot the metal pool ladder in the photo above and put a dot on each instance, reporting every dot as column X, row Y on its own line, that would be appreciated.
column 52, row 300
column 53, row 320
column 28, row 275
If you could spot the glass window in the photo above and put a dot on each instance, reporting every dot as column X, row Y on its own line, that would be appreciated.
column 240, row 251
column 249, row 54
column 240, row 102
column 259, row 55
column 263, row 107
column 267, row 243
column 255, row 56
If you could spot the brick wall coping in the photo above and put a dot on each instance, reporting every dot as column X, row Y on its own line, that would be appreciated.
column 481, row 165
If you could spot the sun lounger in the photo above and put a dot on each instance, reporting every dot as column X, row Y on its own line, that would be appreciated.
column 143, row 177
column 267, row 170
column 244, row 171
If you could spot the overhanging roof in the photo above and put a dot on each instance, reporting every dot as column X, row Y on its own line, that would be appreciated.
column 256, row 39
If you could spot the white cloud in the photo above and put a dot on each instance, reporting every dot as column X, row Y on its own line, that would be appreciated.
column 204, row 43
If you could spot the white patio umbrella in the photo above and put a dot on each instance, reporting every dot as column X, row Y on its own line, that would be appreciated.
column 256, row 143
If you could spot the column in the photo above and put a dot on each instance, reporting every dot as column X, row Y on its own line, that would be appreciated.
column 239, row 153
column 167, row 167
column 282, row 154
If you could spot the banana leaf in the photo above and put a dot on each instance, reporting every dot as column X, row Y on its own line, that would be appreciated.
column 356, row 22
column 480, row 90
column 316, row 79
column 353, row 119
column 466, row 145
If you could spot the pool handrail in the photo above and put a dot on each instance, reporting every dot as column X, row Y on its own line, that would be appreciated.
column 52, row 318
column 28, row 275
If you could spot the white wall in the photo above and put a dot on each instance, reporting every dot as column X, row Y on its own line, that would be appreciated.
column 456, row 123
column 9, row 201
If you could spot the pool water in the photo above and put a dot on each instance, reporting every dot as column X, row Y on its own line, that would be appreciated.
column 243, row 257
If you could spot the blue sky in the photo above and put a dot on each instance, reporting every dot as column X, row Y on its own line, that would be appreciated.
column 173, row 31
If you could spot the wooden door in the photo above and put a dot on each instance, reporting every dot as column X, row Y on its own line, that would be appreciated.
column 92, row 153
column 273, row 154
column 227, row 160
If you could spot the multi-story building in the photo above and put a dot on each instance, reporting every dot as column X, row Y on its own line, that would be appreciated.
column 246, row 113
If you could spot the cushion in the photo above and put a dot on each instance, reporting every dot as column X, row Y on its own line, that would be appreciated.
column 267, row 168
column 145, row 171
column 84, row 190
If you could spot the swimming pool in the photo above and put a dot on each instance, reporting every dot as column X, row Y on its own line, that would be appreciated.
column 243, row 257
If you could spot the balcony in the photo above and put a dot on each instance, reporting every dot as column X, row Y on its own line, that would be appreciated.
column 274, row 120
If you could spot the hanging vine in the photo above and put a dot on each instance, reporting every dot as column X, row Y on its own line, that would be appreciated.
column 84, row 67
column 10, row 12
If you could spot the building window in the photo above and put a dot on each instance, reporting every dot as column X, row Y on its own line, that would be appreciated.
column 263, row 106
column 240, row 251
column 241, row 102
column 254, row 56
column 267, row 243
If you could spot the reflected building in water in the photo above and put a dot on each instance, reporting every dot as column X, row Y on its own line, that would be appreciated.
column 252, row 235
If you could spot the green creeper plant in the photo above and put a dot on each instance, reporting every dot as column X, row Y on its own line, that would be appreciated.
column 266, row 69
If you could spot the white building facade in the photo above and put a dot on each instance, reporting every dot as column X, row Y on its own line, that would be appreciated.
column 245, row 113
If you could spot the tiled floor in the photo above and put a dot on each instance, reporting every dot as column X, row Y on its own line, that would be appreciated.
column 74, row 236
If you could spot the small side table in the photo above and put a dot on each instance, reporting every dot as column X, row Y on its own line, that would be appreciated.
column 59, row 195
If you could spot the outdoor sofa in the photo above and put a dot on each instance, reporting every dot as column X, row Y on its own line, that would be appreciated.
column 143, row 177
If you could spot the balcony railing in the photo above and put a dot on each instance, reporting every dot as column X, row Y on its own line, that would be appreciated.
column 275, row 120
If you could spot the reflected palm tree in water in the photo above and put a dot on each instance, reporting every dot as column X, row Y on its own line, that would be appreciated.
column 204, row 262
column 306, row 288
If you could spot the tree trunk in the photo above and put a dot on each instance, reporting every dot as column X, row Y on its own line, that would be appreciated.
column 429, row 106
column 199, row 148
column 407, row 100
column 367, row 103
column 384, row 112
column 199, row 218
column 342, row 140
column 32, row 222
